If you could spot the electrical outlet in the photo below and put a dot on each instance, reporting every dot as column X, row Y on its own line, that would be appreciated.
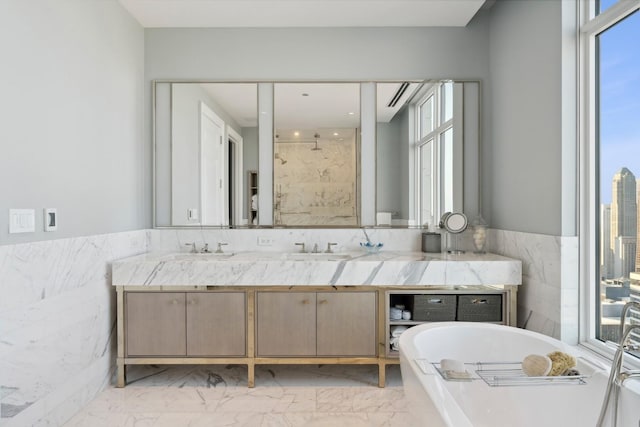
column 265, row 241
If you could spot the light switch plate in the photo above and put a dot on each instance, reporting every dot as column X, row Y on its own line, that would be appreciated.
column 50, row 219
column 265, row 241
column 22, row 221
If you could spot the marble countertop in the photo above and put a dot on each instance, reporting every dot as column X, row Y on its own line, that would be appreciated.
column 293, row 269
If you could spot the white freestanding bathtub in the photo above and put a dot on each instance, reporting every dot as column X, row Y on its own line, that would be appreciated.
column 435, row 402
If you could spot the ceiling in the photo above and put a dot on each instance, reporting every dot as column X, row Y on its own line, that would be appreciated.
column 302, row 13
column 307, row 105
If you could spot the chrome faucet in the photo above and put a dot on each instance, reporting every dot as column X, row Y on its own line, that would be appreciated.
column 205, row 249
column 220, row 245
column 329, row 251
column 193, row 250
column 302, row 249
column 315, row 249
column 617, row 376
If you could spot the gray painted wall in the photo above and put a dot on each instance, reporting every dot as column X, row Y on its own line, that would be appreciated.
column 522, row 185
column 72, row 117
column 390, row 168
column 354, row 54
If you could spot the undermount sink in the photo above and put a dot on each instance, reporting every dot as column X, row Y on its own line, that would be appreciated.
column 207, row 256
column 320, row 256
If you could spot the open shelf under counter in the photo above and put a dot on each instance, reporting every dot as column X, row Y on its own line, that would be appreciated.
column 488, row 304
column 406, row 322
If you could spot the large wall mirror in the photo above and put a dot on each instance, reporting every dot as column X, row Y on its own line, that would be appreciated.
column 417, row 141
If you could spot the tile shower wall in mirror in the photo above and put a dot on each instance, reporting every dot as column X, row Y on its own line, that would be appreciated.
column 316, row 154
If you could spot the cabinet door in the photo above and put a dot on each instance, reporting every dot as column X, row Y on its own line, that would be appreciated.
column 346, row 324
column 286, row 324
column 155, row 324
column 216, row 324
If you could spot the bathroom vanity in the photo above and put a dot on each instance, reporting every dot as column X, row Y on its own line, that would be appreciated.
column 274, row 308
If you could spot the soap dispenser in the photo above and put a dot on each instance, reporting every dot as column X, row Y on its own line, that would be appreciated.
column 479, row 234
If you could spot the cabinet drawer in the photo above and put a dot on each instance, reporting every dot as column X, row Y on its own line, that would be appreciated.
column 480, row 308
column 434, row 307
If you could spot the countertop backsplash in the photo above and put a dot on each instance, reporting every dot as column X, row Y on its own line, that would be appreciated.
column 284, row 240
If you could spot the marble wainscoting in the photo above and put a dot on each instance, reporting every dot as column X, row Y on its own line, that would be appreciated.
column 57, row 324
column 548, row 298
column 283, row 240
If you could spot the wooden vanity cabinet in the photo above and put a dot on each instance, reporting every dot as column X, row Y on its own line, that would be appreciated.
column 191, row 324
column 294, row 324
column 259, row 325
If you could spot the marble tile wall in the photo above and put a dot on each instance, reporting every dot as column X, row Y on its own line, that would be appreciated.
column 283, row 240
column 57, row 324
column 548, row 298
column 316, row 184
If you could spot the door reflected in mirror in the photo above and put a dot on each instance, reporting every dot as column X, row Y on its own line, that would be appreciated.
column 316, row 154
column 204, row 152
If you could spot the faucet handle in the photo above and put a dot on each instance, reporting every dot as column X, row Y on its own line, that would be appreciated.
column 220, row 245
column 329, row 251
column 193, row 247
column 302, row 249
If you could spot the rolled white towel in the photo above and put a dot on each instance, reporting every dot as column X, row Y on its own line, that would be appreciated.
column 397, row 330
column 395, row 343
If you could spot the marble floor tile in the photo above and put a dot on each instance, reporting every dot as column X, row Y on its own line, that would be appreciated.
column 285, row 396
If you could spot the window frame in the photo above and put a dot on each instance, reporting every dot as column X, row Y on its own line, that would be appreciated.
column 435, row 136
column 593, row 24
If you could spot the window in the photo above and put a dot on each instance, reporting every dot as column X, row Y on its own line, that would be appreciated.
column 435, row 119
column 604, row 5
column 612, row 76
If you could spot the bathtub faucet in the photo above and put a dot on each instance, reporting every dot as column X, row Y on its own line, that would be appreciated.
column 617, row 376
column 623, row 314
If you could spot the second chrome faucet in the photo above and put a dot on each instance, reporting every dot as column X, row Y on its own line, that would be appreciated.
column 316, row 249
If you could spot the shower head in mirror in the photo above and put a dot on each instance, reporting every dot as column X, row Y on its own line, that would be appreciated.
column 315, row 148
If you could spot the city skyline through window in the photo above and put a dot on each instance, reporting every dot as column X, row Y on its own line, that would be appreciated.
column 619, row 170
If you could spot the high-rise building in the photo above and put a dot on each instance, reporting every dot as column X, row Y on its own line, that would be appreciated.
column 625, row 256
column 637, row 267
column 624, row 218
column 606, row 252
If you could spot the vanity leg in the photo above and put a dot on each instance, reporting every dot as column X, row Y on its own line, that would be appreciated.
column 382, row 372
column 251, row 374
column 120, row 367
column 121, row 373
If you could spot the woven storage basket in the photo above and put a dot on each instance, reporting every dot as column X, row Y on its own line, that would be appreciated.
column 480, row 308
column 434, row 308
